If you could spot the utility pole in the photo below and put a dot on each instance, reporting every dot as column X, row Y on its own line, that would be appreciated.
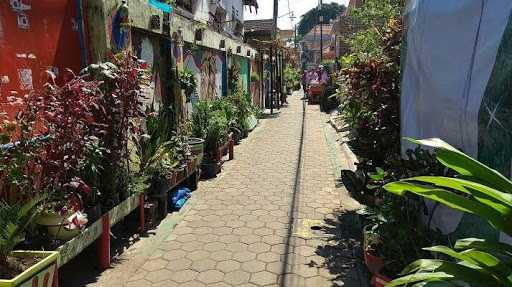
column 295, row 36
column 273, row 74
column 321, row 18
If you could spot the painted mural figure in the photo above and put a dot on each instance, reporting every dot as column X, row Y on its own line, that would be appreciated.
column 209, row 77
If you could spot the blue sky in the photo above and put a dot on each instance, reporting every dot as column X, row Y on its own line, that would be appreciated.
column 299, row 7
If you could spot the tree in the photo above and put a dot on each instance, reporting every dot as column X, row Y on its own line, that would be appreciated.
column 311, row 18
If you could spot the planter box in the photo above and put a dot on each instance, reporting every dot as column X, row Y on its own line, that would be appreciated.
column 379, row 280
column 40, row 275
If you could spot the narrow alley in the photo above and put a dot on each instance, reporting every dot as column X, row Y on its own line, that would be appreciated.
column 254, row 224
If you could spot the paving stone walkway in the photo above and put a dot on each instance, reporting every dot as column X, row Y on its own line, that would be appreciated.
column 267, row 220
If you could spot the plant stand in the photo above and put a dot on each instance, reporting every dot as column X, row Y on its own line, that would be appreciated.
column 42, row 274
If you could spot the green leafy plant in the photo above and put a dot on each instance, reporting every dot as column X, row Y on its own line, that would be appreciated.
column 187, row 82
column 292, row 77
column 158, row 150
column 200, row 118
column 14, row 220
column 479, row 190
column 255, row 78
column 369, row 94
column 216, row 132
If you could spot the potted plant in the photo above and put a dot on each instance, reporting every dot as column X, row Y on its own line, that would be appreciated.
column 373, row 262
column 90, row 170
column 119, row 121
column 18, row 267
column 216, row 136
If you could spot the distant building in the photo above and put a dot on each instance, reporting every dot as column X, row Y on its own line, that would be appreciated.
column 287, row 37
column 343, row 28
column 311, row 45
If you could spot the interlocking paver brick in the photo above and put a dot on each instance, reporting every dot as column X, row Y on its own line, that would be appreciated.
column 246, row 227
column 228, row 266
column 253, row 266
column 259, row 247
column 184, row 276
column 203, row 265
column 244, row 256
column 159, row 275
column 210, row 276
column 155, row 264
column 221, row 255
column 237, row 277
column 178, row 264
column 263, row 278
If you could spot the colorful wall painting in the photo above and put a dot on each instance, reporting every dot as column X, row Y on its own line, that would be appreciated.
column 245, row 76
column 255, row 86
column 208, row 65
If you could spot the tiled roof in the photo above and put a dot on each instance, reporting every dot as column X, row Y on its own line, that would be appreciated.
column 258, row 25
column 286, row 34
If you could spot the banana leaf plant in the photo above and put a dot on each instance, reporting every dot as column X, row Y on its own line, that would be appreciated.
column 479, row 190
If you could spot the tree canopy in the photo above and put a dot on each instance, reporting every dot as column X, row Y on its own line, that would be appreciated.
column 311, row 18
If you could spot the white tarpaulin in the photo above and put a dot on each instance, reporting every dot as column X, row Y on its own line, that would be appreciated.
column 457, row 81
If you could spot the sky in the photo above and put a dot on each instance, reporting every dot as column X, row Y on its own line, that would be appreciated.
column 299, row 7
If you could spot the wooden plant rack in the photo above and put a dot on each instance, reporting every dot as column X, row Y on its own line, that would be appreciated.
column 229, row 146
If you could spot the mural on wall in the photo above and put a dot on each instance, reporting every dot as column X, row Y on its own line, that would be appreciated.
column 208, row 66
column 119, row 30
column 209, row 72
column 147, row 50
column 255, row 87
column 244, row 68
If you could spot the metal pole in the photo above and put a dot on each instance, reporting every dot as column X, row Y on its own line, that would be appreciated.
column 272, row 86
column 321, row 18
column 295, row 36
column 281, row 79
column 274, row 28
column 281, row 73
column 262, row 81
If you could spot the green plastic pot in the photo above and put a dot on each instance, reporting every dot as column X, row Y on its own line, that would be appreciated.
column 40, row 274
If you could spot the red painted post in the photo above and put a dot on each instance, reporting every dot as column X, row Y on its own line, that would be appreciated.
column 142, row 218
column 231, row 149
column 55, row 282
column 104, row 243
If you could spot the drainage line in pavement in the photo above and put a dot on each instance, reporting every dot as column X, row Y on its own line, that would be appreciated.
column 295, row 197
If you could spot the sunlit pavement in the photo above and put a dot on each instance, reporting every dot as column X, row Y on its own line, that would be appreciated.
column 273, row 217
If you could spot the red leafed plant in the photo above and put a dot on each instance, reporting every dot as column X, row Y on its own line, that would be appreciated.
column 48, row 141
column 68, row 115
column 48, row 138
column 122, row 106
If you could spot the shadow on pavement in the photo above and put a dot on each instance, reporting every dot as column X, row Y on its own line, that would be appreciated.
column 343, row 252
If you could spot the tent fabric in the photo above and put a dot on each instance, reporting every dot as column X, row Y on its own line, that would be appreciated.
column 456, row 85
